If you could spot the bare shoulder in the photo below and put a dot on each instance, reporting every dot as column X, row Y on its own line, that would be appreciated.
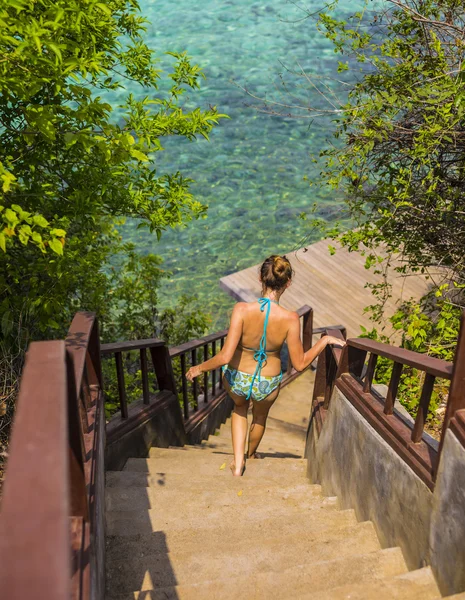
column 292, row 316
column 240, row 308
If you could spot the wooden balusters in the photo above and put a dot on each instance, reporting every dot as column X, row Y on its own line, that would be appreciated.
column 185, row 399
column 392, row 389
column 121, row 385
column 205, row 375
column 221, row 372
column 423, row 406
column 195, row 391
column 145, row 376
column 370, row 372
column 214, row 370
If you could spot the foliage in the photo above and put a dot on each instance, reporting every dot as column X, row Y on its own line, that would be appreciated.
column 74, row 165
column 132, row 314
column 398, row 153
column 71, row 165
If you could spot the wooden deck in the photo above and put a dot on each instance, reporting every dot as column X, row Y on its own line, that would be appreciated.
column 334, row 286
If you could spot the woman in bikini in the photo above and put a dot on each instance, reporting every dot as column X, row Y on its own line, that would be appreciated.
column 251, row 360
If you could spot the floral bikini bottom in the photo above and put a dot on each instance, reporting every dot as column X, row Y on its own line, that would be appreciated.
column 241, row 382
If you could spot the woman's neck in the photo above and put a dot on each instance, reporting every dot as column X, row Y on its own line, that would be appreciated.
column 272, row 295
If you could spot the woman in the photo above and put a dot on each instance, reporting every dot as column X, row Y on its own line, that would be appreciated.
column 251, row 353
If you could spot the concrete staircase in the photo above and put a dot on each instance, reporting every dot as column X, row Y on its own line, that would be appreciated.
column 180, row 526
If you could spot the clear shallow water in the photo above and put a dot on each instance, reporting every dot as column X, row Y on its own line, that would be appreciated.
column 251, row 172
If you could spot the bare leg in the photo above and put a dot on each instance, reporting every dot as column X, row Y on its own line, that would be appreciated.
column 238, row 430
column 239, row 434
column 257, row 428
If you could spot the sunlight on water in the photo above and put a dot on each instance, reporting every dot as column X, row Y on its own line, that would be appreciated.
column 251, row 172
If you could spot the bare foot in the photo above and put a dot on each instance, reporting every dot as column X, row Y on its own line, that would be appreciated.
column 237, row 472
column 255, row 455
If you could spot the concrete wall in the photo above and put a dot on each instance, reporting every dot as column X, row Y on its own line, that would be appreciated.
column 447, row 538
column 350, row 460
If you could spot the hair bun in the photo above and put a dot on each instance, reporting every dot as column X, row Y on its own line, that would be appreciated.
column 280, row 265
column 276, row 272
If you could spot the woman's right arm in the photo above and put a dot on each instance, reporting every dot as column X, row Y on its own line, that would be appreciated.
column 300, row 359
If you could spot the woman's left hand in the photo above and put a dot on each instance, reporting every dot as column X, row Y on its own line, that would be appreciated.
column 193, row 372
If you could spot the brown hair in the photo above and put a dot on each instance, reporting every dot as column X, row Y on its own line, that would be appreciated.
column 275, row 272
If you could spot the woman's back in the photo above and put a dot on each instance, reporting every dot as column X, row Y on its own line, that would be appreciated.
column 253, row 320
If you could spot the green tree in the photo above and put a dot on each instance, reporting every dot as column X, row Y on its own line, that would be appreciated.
column 70, row 165
column 74, row 165
column 399, row 154
column 399, row 159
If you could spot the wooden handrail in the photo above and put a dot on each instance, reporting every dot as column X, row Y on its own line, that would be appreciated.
column 34, row 523
column 51, row 519
column 422, row 362
column 198, row 343
column 114, row 347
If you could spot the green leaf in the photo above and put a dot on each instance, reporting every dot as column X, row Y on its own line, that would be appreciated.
column 56, row 246
column 58, row 232
column 139, row 155
column 104, row 8
column 3, row 242
column 40, row 220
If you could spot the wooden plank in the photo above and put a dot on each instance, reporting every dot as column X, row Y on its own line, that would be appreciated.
column 322, row 281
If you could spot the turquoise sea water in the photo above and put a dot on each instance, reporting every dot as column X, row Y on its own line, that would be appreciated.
column 251, row 173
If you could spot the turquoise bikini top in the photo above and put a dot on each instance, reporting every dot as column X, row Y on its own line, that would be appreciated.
column 260, row 355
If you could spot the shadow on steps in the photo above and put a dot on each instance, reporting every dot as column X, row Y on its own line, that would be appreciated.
column 135, row 572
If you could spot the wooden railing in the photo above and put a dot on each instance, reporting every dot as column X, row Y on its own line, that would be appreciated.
column 51, row 529
column 352, row 371
column 160, row 362
column 191, row 354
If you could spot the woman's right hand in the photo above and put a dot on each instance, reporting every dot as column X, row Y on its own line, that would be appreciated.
column 334, row 340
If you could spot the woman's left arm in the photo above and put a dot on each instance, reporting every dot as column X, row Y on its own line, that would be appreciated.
column 227, row 351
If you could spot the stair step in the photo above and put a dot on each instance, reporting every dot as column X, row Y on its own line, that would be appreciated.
column 217, row 529
column 267, row 447
column 122, row 547
column 134, row 566
column 194, row 515
column 415, row 585
column 178, row 481
column 201, row 497
column 220, row 450
column 217, row 465
column 288, row 583
column 271, row 432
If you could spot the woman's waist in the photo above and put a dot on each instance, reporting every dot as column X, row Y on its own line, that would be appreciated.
column 271, row 368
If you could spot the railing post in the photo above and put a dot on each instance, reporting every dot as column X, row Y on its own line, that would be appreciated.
column 307, row 330
column 352, row 361
column 77, row 480
column 93, row 358
column 161, row 361
column 319, row 387
column 456, row 400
